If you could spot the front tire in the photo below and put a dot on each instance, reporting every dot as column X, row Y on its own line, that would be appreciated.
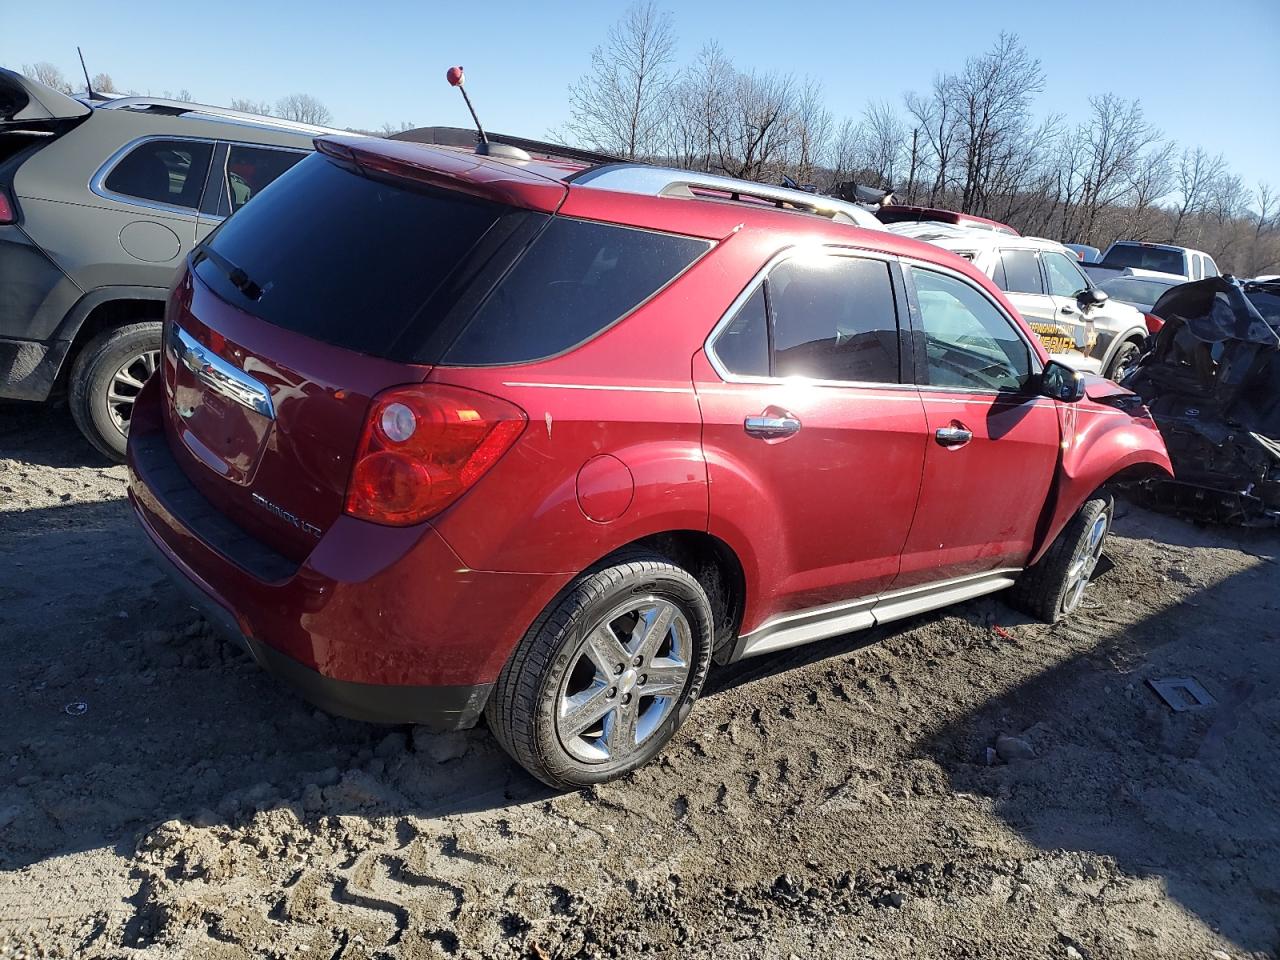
column 1053, row 588
column 1122, row 363
column 106, row 379
column 606, row 674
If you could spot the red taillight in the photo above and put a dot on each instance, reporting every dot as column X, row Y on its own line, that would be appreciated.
column 1154, row 323
column 423, row 446
column 7, row 214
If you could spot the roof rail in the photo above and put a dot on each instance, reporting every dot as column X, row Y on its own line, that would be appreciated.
column 142, row 104
column 671, row 182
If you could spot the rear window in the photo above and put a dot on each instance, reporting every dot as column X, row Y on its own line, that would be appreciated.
column 576, row 280
column 1021, row 272
column 164, row 171
column 346, row 259
column 1123, row 255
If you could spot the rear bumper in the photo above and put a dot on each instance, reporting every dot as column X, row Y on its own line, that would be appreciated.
column 377, row 623
column 439, row 707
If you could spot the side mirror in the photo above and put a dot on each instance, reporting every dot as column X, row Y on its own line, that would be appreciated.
column 1060, row 382
column 1092, row 297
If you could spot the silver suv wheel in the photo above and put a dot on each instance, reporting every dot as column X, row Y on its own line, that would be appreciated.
column 126, row 384
column 624, row 680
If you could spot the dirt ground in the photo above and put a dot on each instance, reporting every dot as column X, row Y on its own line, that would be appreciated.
column 837, row 801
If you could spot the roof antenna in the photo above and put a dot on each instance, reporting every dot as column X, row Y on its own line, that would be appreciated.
column 88, row 87
column 486, row 147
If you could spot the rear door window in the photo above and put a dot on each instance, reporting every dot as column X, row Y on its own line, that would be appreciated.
column 575, row 281
column 1021, row 271
column 1210, row 268
column 163, row 171
column 250, row 169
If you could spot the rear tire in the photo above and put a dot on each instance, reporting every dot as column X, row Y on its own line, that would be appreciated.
column 640, row 624
column 107, row 373
column 1052, row 588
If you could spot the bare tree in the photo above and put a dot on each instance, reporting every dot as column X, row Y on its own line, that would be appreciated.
column 1152, row 181
column 303, row 108
column 1197, row 174
column 756, row 133
column 1115, row 138
column 991, row 99
column 810, row 131
column 885, row 141
column 848, row 152
column 621, row 104
column 102, row 83
column 261, row 108
column 46, row 73
column 699, row 109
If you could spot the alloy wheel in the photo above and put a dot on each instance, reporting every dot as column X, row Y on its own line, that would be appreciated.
column 1083, row 563
column 624, row 681
column 126, row 383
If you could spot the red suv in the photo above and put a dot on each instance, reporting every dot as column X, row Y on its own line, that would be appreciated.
column 440, row 435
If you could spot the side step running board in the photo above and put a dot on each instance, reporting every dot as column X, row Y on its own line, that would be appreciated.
column 833, row 620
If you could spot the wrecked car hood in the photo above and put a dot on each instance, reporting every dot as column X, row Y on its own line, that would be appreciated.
column 1212, row 383
column 1098, row 387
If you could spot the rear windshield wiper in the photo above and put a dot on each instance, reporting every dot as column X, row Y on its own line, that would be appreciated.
column 239, row 279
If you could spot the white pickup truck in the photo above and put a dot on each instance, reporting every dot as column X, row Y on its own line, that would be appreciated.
column 1159, row 257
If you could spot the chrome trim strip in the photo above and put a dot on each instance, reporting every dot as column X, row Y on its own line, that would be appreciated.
column 596, row 386
column 832, row 620
column 219, row 375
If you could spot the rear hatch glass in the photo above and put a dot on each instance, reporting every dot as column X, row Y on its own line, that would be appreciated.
column 1124, row 255
column 349, row 260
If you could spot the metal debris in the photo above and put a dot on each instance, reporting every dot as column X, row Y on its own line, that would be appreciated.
column 1182, row 693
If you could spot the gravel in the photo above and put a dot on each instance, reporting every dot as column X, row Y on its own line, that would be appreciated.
column 833, row 801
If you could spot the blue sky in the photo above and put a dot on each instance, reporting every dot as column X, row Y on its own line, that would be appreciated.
column 1214, row 83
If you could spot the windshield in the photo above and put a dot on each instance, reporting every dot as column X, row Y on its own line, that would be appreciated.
column 1140, row 292
column 1123, row 255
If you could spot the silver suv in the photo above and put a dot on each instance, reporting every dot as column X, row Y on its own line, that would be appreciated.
column 99, row 203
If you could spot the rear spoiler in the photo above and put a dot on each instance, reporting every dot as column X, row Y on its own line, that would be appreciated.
column 446, row 169
column 23, row 100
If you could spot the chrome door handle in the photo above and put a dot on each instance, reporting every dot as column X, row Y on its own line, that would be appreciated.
column 952, row 436
column 1068, row 309
column 768, row 428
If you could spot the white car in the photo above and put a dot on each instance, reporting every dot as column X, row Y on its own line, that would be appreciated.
column 1078, row 323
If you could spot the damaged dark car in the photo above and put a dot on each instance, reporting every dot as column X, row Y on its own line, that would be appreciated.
column 1212, row 383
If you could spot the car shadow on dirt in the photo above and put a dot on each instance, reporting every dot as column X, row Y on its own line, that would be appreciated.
column 1188, row 798
column 45, row 435
column 120, row 709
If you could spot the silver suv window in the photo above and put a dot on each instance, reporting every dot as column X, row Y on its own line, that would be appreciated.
column 171, row 172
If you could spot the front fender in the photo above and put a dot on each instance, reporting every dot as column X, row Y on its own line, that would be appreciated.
column 1099, row 443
